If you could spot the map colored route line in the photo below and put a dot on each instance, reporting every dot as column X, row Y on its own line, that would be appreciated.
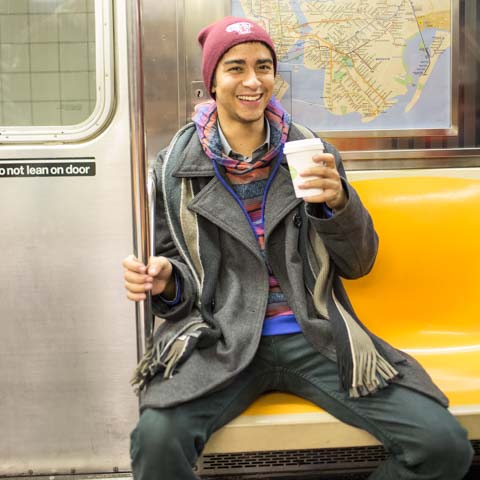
column 363, row 64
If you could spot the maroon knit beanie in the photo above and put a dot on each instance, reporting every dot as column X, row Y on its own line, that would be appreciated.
column 220, row 36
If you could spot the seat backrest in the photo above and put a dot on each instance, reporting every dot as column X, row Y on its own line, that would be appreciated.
column 427, row 275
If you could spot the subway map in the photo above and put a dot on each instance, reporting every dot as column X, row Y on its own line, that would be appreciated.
column 360, row 64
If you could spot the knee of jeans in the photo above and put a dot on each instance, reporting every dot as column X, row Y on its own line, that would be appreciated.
column 448, row 450
column 158, row 432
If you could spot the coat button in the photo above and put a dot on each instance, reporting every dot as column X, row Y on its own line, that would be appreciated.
column 212, row 304
column 297, row 220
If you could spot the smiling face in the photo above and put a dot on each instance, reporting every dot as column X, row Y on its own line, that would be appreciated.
column 243, row 84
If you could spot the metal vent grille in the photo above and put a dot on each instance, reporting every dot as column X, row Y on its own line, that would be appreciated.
column 476, row 447
column 291, row 461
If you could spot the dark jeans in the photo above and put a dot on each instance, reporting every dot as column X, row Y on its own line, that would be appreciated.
column 424, row 440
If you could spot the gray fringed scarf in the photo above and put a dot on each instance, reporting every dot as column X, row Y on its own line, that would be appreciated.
column 363, row 370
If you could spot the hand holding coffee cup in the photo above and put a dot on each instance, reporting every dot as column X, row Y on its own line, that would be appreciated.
column 314, row 174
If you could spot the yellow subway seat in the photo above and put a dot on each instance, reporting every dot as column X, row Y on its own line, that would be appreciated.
column 423, row 289
column 277, row 403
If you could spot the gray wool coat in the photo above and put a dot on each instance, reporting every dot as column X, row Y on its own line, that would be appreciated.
column 233, row 289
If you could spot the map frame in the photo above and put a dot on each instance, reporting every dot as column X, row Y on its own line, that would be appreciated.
column 408, row 132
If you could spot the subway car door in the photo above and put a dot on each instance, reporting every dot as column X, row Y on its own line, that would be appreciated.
column 67, row 331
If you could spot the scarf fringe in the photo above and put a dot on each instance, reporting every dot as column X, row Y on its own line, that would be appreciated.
column 373, row 373
column 167, row 355
column 367, row 370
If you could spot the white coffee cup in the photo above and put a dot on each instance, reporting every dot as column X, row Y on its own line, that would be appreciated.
column 299, row 157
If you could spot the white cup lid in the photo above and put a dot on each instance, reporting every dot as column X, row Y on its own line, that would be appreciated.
column 301, row 145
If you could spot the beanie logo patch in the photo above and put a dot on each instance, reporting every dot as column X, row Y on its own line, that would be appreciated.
column 241, row 28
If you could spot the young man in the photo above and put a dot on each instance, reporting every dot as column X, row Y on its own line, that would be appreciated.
column 247, row 278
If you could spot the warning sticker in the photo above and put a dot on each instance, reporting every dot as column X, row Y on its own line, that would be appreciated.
column 74, row 168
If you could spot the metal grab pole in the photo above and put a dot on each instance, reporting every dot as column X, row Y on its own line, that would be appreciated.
column 140, row 194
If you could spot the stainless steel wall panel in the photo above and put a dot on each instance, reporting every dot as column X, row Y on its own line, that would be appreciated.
column 161, row 73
